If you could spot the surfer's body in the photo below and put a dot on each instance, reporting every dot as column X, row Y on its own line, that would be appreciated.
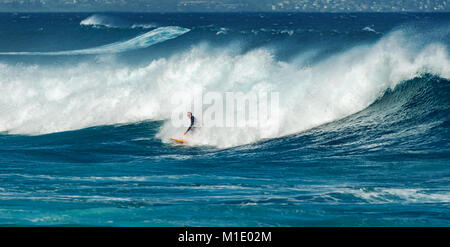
column 191, row 126
column 190, row 129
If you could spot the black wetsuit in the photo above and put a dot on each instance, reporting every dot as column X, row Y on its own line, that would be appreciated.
column 191, row 127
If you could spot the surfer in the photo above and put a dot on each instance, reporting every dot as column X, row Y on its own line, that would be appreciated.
column 191, row 127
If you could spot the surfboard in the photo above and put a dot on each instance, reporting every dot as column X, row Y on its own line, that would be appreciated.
column 178, row 140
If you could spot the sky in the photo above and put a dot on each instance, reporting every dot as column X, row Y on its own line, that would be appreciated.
column 225, row 5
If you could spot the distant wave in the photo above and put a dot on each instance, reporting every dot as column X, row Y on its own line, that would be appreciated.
column 98, row 21
column 142, row 41
column 101, row 21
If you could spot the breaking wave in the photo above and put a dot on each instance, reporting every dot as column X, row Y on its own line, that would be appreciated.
column 37, row 99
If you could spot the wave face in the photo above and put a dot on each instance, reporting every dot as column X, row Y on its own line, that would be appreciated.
column 363, row 120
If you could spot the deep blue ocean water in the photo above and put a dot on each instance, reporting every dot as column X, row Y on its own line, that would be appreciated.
column 85, row 120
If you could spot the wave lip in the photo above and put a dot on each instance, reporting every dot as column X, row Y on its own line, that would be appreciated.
column 142, row 41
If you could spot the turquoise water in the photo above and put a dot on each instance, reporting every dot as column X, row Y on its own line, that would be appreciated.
column 85, row 122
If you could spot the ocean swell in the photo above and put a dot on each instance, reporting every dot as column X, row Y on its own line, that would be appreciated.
column 141, row 41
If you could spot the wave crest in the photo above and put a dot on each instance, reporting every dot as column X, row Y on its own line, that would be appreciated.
column 99, row 21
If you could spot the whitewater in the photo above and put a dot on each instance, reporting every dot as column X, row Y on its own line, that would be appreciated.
column 363, row 100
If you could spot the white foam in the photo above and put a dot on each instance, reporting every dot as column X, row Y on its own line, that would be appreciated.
column 222, row 30
column 289, row 32
column 144, row 26
column 98, row 21
column 37, row 99
column 409, row 195
column 369, row 29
